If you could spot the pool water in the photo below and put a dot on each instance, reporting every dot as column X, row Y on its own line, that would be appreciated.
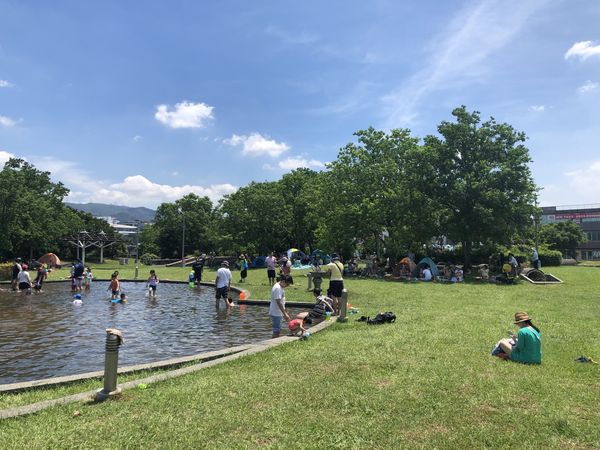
column 46, row 335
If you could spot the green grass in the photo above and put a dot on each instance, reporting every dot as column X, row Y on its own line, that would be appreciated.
column 426, row 381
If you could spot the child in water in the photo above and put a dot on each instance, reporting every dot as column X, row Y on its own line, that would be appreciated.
column 152, row 283
column 87, row 278
column 296, row 326
column 122, row 299
column 114, row 286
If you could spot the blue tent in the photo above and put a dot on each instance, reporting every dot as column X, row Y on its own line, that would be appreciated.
column 426, row 262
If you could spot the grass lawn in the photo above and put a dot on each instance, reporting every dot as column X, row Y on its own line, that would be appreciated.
column 426, row 381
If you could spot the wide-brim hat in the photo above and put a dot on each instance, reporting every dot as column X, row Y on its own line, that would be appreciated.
column 521, row 317
column 225, row 263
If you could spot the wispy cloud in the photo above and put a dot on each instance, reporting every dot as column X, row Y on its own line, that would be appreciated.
column 185, row 115
column 256, row 145
column 537, row 108
column 458, row 53
column 588, row 86
column 135, row 190
column 7, row 122
column 583, row 50
column 5, row 156
column 6, row 84
column 583, row 182
column 295, row 163
column 292, row 38
column 137, row 138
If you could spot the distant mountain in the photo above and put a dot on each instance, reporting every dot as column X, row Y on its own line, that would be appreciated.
column 121, row 213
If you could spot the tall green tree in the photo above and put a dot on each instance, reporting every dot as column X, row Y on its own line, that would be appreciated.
column 196, row 214
column 257, row 218
column 370, row 190
column 33, row 217
column 562, row 236
column 480, row 178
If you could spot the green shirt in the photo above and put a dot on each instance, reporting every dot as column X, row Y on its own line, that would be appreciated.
column 529, row 347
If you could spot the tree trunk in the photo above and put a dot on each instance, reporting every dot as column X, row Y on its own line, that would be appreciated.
column 467, row 247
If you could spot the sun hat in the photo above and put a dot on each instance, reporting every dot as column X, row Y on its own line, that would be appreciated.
column 521, row 317
column 225, row 263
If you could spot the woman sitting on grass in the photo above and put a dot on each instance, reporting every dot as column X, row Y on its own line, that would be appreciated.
column 526, row 346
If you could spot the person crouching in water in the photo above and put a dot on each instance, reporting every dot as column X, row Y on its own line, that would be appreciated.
column 526, row 346
column 297, row 325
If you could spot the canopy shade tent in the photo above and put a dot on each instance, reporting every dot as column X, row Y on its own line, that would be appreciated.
column 406, row 261
column 51, row 259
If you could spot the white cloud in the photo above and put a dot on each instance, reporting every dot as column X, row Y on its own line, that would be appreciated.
column 7, row 121
column 134, row 190
column 301, row 38
column 294, row 163
column 588, row 86
column 537, row 108
column 583, row 50
column 137, row 138
column 257, row 145
column 6, row 84
column 583, row 183
column 459, row 53
column 185, row 115
column 5, row 156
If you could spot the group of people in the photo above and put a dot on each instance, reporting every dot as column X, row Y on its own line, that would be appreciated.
column 21, row 279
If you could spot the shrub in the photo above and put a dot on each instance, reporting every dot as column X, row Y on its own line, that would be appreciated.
column 550, row 258
column 6, row 271
column 147, row 258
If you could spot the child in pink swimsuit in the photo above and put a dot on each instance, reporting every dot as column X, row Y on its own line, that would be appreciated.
column 296, row 326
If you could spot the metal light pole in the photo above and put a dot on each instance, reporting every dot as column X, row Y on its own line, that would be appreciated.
column 182, row 239
column 137, row 247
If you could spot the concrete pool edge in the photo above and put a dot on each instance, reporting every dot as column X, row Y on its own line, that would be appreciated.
column 89, row 395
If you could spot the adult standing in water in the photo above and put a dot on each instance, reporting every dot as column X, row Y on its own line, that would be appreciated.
column 335, row 271
column 277, row 310
column 223, row 283
column 197, row 268
column 271, row 262
column 16, row 269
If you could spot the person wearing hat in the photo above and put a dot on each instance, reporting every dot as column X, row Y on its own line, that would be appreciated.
column 335, row 271
column 223, row 283
column 526, row 346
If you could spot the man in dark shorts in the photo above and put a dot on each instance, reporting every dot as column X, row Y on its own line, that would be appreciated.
column 335, row 271
column 16, row 268
column 222, row 283
column 271, row 262
column 197, row 268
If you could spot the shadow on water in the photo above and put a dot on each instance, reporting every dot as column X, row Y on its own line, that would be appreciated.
column 47, row 335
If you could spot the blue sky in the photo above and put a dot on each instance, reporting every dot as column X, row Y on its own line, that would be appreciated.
column 136, row 103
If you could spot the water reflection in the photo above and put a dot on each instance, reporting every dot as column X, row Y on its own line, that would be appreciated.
column 47, row 335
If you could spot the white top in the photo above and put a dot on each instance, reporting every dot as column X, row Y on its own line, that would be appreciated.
column 271, row 262
column 335, row 269
column 427, row 274
column 513, row 261
column 276, row 294
column 223, row 277
column 23, row 277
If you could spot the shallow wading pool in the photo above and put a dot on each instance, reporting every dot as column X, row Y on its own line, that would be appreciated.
column 46, row 335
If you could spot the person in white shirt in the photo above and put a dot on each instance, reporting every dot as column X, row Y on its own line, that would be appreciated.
column 222, row 283
column 277, row 310
column 271, row 262
column 427, row 274
column 24, row 281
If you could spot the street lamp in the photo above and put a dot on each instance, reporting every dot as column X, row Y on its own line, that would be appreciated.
column 137, row 247
column 182, row 237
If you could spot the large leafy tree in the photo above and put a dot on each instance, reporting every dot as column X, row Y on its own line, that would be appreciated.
column 371, row 190
column 562, row 236
column 33, row 218
column 257, row 219
column 480, row 178
column 197, row 213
